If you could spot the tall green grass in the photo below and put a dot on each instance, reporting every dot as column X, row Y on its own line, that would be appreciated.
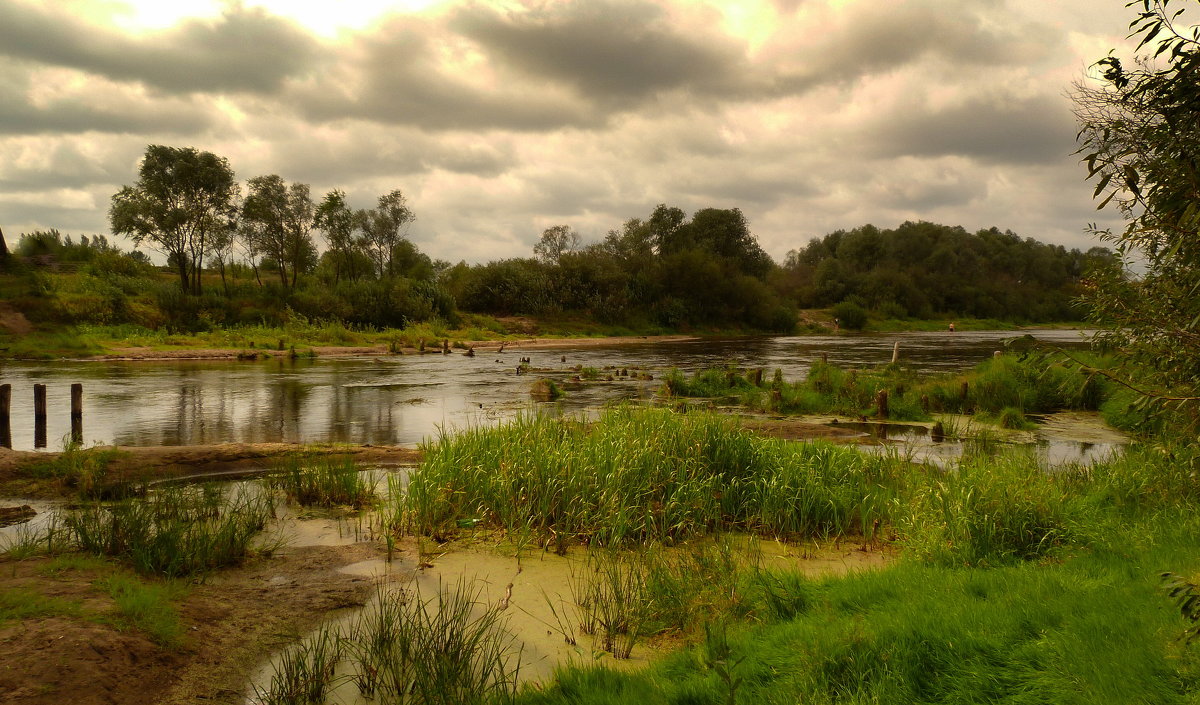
column 324, row 481
column 173, row 532
column 637, row 475
column 1095, row 627
column 404, row 648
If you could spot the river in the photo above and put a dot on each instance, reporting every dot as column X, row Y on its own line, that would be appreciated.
column 400, row 400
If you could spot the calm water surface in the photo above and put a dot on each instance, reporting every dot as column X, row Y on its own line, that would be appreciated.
column 405, row 399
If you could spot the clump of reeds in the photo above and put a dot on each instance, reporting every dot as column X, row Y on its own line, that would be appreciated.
column 324, row 481
column 449, row 648
column 172, row 532
column 84, row 471
column 636, row 475
column 987, row 511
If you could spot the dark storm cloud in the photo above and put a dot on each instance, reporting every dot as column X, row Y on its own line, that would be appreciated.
column 358, row 153
column 873, row 39
column 1037, row 130
column 64, row 166
column 395, row 78
column 110, row 113
column 610, row 51
column 243, row 50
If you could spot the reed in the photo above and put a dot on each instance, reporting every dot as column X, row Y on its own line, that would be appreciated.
column 636, row 476
column 174, row 532
column 448, row 648
column 324, row 481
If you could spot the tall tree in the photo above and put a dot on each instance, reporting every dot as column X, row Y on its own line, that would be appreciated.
column 1140, row 140
column 556, row 241
column 384, row 227
column 277, row 218
column 183, row 204
column 339, row 223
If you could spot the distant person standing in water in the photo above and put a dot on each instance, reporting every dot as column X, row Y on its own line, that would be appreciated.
column 951, row 327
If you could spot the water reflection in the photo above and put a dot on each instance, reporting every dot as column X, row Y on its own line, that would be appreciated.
column 404, row 399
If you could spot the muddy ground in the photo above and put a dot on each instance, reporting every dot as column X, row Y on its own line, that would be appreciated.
column 22, row 473
column 232, row 622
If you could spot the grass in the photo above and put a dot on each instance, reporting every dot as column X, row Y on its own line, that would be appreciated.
column 324, row 481
column 175, row 532
column 83, row 471
column 148, row 606
column 404, row 648
column 635, row 475
column 22, row 603
column 1004, row 388
column 1094, row 627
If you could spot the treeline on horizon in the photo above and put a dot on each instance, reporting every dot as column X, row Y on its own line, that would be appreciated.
column 254, row 260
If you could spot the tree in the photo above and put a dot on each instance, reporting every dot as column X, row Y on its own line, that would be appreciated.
column 384, row 227
column 556, row 241
column 1140, row 140
column 277, row 221
column 339, row 223
column 3, row 248
column 183, row 204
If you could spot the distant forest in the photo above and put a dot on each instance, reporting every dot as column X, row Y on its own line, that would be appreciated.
column 667, row 271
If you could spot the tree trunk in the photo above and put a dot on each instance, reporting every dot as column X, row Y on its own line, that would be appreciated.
column 3, row 246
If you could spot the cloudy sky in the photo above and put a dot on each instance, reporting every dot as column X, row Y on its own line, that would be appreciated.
column 499, row 119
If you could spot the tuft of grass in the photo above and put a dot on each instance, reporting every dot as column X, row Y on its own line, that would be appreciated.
column 174, row 532
column 324, row 481
column 448, row 648
column 21, row 603
column 85, row 471
column 147, row 606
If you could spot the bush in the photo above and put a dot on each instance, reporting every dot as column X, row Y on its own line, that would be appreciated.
column 850, row 315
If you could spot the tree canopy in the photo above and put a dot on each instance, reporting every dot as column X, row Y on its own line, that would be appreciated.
column 1140, row 140
column 183, row 204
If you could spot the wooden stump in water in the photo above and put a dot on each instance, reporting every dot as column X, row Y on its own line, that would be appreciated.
column 937, row 434
column 881, row 403
column 756, row 377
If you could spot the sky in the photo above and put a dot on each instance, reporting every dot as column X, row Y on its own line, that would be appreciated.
column 500, row 119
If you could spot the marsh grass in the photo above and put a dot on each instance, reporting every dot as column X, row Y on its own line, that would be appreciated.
column 1093, row 627
column 405, row 648
column 637, row 475
column 324, row 481
column 84, row 471
column 1007, row 387
column 173, row 532
column 23, row 603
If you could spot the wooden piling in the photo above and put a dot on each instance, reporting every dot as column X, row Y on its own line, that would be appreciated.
column 5, row 425
column 881, row 403
column 825, row 358
column 39, row 400
column 77, row 413
column 39, row 416
column 756, row 377
column 896, row 352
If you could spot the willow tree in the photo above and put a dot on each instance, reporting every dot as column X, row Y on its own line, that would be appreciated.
column 183, row 205
column 1140, row 140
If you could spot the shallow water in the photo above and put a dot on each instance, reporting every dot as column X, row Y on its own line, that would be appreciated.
column 401, row 400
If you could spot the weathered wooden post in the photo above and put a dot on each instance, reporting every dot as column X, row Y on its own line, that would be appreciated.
column 39, row 416
column 446, row 346
column 937, row 434
column 77, row 413
column 881, row 402
column 756, row 377
column 896, row 352
column 824, row 358
column 5, row 424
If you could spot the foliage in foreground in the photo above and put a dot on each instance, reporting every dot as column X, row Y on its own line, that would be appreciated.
column 404, row 648
column 1087, row 630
